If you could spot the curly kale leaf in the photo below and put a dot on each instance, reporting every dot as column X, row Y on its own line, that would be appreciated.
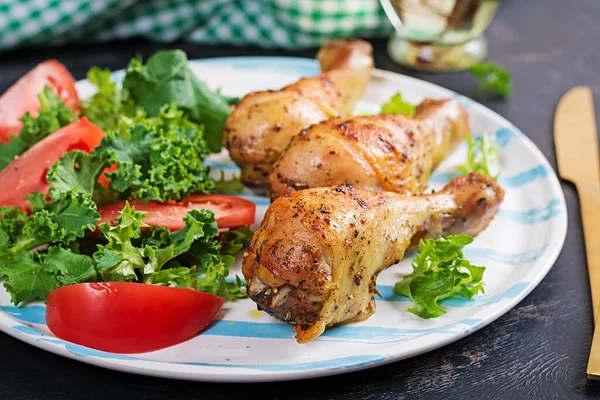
column 162, row 159
column 166, row 79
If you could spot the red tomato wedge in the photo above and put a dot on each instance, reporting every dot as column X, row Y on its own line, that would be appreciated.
column 27, row 173
column 21, row 97
column 103, row 180
column 127, row 317
column 230, row 211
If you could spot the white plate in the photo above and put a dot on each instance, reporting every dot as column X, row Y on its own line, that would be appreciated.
column 518, row 249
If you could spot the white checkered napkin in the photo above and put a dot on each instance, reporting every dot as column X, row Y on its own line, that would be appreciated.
column 268, row 23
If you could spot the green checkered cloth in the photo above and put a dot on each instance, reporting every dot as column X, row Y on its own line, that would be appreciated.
column 268, row 23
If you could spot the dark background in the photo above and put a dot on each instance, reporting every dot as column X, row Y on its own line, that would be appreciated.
column 537, row 350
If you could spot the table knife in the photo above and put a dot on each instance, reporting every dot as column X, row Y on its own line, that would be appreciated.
column 576, row 142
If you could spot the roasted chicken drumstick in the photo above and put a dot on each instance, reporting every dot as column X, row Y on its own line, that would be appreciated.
column 381, row 152
column 263, row 123
column 316, row 256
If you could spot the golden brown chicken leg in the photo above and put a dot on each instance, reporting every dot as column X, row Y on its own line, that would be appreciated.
column 381, row 152
column 316, row 256
column 263, row 123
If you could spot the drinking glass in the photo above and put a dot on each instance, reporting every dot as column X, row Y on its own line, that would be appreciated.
column 439, row 35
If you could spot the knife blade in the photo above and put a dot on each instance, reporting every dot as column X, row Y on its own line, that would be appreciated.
column 576, row 143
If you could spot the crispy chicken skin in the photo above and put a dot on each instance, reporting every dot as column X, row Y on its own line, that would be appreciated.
column 381, row 152
column 263, row 123
column 316, row 256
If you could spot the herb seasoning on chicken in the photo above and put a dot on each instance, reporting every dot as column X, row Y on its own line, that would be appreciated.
column 263, row 123
column 380, row 152
column 316, row 256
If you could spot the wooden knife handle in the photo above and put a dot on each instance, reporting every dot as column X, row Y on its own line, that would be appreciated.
column 593, row 367
column 590, row 215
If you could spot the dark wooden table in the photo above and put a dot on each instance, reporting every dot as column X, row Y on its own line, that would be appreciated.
column 537, row 350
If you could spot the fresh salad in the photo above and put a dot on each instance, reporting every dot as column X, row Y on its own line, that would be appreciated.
column 108, row 212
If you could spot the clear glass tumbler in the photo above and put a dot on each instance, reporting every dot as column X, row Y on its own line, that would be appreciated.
column 439, row 35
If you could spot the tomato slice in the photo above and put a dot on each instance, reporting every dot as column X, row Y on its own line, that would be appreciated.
column 127, row 317
column 103, row 180
column 21, row 97
column 230, row 211
column 27, row 173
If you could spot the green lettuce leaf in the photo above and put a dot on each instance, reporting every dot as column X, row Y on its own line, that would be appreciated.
column 75, row 214
column 440, row 271
column 492, row 77
column 37, row 201
column 213, row 271
column 11, row 221
column 199, row 227
column 32, row 276
column 34, row 231
column 11, row 150
column 396, row 105
column 68, row 267
column 26, row 278
column 76, row 170
column 120, row 260
column 182, row 277
column 234, row 240
column 483, row 156
column 160, row 257
column 213, row 268
column 232, row 101
column 59, row 222
column 30, row 254
column 231, row 185
column 166, row 79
